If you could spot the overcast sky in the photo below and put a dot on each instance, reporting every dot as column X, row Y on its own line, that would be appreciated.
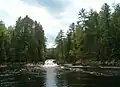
column 52, row 14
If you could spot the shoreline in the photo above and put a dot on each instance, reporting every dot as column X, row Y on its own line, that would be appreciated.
column 95, row 70
column 67, row 65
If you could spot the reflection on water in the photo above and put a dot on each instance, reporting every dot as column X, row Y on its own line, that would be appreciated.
column 52, row 77
column 78, row 79
column 21, row 77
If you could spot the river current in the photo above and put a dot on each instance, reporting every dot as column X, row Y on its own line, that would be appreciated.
column 14, row 76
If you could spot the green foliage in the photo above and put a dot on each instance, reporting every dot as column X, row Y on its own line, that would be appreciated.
column 23, row 43
column 2, row 42
column 60, row 45
column 96, row 34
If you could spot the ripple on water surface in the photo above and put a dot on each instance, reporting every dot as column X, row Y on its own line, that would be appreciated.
column 53, row 77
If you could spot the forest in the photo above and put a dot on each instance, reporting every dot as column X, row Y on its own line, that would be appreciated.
column 96, row 35
column 25, row 42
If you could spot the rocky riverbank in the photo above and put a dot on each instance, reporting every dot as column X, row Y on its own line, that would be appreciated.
column 94, row 70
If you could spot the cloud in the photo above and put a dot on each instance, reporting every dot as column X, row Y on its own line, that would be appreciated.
column 15, row 8
column 53, row 6
column 52, row 14
column 4, row 16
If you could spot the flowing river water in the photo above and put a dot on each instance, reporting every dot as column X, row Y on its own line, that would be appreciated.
column 14, row 76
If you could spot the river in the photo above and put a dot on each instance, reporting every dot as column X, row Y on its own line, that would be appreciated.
column 14, row 76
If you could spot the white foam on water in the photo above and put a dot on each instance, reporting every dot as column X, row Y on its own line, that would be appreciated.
column 50, row 63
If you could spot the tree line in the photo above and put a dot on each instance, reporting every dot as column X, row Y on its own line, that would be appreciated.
column 24, row 42
column 95, row 35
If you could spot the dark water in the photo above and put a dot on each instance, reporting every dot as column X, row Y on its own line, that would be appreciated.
column 52, row 77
